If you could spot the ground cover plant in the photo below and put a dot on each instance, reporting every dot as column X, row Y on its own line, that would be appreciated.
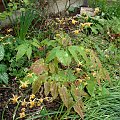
column 56, row 68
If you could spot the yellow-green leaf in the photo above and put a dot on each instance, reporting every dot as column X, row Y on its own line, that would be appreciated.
column 51, row 68
column 52, row 54
column 73, row 51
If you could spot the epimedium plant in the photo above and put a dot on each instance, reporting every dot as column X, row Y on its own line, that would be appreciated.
column 65, row 78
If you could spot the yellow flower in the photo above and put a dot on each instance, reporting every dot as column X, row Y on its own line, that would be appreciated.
column 57, row 19
column 78, row 70
column 24, row 103
column 23, row 110
column 24, row 84
column 38, row 103
column 29, row 74
column 15, row 99
column 88, row 24
column 87, row 50
column 82, row 25
column 32, row 96
column 76, row 32
column 32, row 103
column 97, row 10
column 9, row 30
column 79, row 64
column 46, row 98
column 41, row 100
column 57, row 35
column 86, row 18
column 22, row 114
column 80, row 80
column 74, row 21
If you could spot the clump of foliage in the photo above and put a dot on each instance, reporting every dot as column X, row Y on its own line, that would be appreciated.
column 67, row 71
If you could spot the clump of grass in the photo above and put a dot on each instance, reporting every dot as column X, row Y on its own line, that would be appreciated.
column 104, row 107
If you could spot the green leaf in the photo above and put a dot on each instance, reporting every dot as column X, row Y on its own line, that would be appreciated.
column 52, row 54
column 91, row 86
column 104, row 91
column 1, row 52
column 3, row 68
column 70, row 75
column 4, row 78
column 63, row 57
column 26, row 2
column 82, row 52
column 37, row 84
column 35, row 43
column 29, row 52
column 94, row 30
column 21, row 51
column 73, row 50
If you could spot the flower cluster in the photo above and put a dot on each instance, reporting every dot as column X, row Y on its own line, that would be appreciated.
column 32, row 102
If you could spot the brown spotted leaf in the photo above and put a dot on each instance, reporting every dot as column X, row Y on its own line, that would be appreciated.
column 78, row 93
column 78, row 107
column 54, row 89
column 37, row 83
column 39, row 67
column 66, row 97
column 46, row 88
